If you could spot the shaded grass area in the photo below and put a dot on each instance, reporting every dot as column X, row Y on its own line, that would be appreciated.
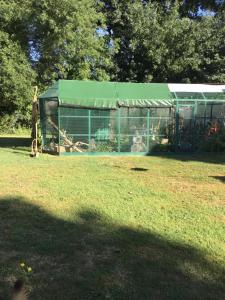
column 207, row 157
column 112, row 228
column 221, row 178
column 7, row 142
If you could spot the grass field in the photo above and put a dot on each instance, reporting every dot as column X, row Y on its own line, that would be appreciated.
column 113, row 228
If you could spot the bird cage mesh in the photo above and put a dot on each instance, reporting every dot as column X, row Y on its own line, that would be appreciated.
column 134, row 130
column 192, row 121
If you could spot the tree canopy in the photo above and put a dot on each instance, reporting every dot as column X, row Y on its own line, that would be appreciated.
column 123, row 40
column 157, row 42
column 16, row 80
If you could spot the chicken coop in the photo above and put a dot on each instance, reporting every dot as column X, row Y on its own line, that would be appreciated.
column 89, row 117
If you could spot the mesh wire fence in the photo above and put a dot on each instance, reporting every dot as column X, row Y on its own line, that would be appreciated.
column 189, row 125
column 66, row 129
column 200, row 123
column 49, row 124
column 122, row 130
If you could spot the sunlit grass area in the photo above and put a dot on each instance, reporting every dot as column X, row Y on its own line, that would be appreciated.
column 113, row 227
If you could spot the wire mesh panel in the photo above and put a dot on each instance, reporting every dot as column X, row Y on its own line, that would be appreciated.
column 214, row 96
column 199, row 124
column 186, row 126
column 123, row 130
column 189, row 125
column 188, row 95
column 88, row 130
column 49, row 125
column 104, row 131
column 161, row 128
column 133, row 131
column 213, row 135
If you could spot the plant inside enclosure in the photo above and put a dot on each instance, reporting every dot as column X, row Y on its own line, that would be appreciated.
column 105, row 147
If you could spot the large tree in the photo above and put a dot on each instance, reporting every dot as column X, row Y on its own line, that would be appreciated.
column 156, row 42
column 49, row 38
column 16, row 80
column 124, row 40
column 66, row 40
column 213, row 59
column 59, row 36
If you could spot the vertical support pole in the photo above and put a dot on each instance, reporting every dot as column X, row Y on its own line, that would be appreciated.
column 177, row 123
column 205, row 115
column 205, row 108
column 59, row 128
column 194, row 129
column 34, row 133
column 42, row 122
column 177, row 127
column 148, row 130
column 34, row 114
column 195, row 110
column 119, row 128
column 89, row 127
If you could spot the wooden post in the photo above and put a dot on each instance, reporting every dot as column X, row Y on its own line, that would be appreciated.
column 34, row 133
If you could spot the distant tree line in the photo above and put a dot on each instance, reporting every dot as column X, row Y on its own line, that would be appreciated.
column 121, row 40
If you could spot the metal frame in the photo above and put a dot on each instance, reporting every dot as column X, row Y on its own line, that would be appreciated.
column 59, row 129
column 119, row 118
column 178, row 103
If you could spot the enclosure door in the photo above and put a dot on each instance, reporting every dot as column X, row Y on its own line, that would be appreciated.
column 186, row 127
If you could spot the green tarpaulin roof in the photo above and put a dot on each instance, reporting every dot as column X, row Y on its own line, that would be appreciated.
column 109, row 95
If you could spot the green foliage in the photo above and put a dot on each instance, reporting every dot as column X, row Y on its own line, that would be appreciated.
column 213, row 60
column 122, row 40
column 66, row 38
column 191, row 8
column 104, row 147
column 16, row 79
column 215, row 143
column 157, row 43
column 48, row 39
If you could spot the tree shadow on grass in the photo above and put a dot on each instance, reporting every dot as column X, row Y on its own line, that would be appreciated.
column 90, row 257
column 220, row 178
column 213, row 158
column 9, row 142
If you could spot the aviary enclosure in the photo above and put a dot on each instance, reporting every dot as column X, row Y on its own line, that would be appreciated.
column 87, row 117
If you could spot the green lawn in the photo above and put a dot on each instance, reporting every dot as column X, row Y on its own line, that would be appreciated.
column 113, row 227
